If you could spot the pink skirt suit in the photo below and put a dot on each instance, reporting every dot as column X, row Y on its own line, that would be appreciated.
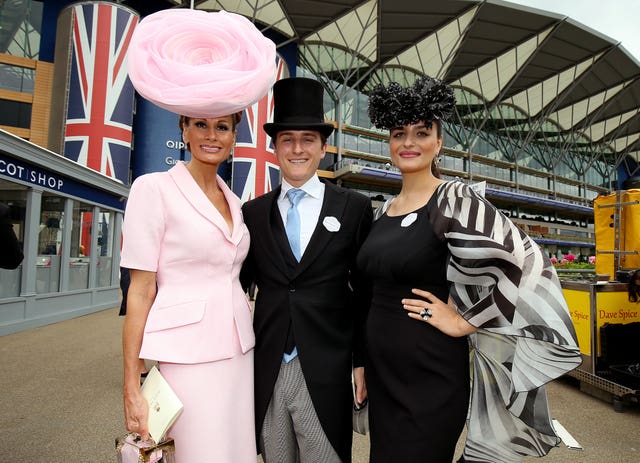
column 199, row 327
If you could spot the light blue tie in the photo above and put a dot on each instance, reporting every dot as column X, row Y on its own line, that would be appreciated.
column 294, row 195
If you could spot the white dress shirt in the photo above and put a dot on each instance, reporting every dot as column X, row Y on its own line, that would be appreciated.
column 309, row 208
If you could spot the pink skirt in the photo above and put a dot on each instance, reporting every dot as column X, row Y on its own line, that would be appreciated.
column 217, row 423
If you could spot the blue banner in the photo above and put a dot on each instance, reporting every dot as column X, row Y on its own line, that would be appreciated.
column 52, row 181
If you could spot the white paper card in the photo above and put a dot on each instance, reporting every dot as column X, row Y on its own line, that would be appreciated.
column 409, row 219
column 331, row 224
column 164, row 404
column 567, row 438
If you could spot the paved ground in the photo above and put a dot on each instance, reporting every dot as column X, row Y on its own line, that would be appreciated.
column 60, row 401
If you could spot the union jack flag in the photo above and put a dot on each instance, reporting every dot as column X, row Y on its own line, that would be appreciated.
column 100, row 101
column 255, row 168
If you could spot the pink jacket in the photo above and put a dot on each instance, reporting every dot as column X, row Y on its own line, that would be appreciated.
column 171, row 228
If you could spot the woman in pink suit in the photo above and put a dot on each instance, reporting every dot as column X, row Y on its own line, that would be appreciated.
column 184, row 239
column 183, row 231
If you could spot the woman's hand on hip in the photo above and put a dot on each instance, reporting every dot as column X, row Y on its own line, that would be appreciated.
column 436, row 312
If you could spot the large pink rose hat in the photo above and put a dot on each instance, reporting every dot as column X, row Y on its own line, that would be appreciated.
column 201, row 64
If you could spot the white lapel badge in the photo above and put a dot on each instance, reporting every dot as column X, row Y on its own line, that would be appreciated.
column 409, row 219
column 331, row 223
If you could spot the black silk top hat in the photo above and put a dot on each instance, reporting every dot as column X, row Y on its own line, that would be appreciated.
column 298, row 106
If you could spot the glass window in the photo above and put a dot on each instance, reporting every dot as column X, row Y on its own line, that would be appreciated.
column 15, row 113
column 15, row 197
column 49, row 243
column 21, row 25
column 16, row 78
column 104, row 253
column 80, row 249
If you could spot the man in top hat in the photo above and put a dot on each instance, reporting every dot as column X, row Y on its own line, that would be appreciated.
column 311, row 300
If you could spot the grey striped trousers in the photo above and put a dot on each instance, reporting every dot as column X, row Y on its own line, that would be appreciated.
column 291, row 432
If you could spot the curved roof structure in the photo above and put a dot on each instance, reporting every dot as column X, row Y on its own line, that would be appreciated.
column 544, row 77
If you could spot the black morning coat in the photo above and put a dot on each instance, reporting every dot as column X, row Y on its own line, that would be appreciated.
column 323, row 297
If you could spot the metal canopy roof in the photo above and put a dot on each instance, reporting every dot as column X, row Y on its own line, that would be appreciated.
column 555, row 75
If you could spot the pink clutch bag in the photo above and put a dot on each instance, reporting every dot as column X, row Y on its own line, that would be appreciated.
column 131, row 449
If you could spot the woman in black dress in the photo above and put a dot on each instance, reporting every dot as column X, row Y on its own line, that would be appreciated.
column 486, row 289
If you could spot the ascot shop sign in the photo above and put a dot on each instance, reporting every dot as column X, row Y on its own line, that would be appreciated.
column 30, row 175
column 26, row 172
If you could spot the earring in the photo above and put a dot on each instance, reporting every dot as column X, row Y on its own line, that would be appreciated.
column 437, row 159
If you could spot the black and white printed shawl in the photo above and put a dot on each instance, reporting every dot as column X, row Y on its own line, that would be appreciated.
column 506, row 286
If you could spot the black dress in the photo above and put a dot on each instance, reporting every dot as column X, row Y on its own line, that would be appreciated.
column 417, row 377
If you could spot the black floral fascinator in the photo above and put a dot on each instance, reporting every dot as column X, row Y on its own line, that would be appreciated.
column 394, row 106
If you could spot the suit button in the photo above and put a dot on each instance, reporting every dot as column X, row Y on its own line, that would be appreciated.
column 292, row 288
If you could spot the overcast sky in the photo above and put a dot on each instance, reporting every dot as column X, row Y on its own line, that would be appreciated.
column 618, row 19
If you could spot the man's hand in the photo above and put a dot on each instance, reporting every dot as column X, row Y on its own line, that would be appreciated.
column 360, row 384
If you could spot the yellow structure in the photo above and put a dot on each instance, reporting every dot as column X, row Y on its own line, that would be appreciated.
column 620, row 210
column 592, row 305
